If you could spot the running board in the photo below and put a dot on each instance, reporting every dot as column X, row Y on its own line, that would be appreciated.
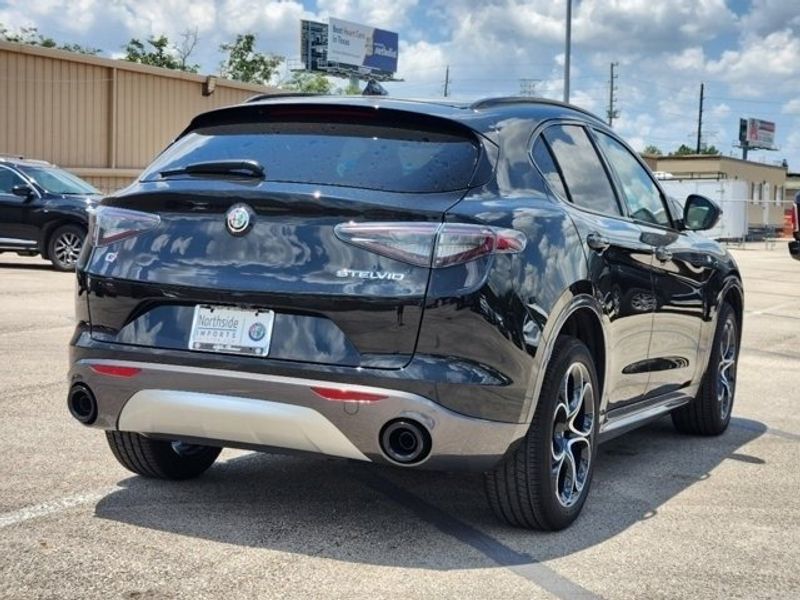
column 629, row 418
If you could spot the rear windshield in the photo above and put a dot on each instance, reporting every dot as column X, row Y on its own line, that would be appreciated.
column 379, row 157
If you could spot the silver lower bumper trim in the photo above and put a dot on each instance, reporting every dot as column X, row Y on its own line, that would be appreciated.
column 245, row 420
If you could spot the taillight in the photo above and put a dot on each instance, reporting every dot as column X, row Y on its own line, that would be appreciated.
column 431, row 244
column 108, row 224
column 795, row 218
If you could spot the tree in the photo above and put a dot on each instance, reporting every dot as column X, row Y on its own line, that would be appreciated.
column 312, row 83
column 32, row 37
column 352, row 89
column 186, row 48
column 652, row 150
column 683, row 150
column 161, row 54
column 244, row 63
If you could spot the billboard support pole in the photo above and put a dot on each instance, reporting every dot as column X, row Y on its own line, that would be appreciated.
column 568, row 51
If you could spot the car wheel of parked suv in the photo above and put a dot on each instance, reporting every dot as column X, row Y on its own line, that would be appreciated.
column 710, row 412
column 544, row 483
column 160, row 459
column 65, row 247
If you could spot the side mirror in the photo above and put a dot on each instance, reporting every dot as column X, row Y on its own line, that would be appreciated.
column 22, row 190
column 700, row 213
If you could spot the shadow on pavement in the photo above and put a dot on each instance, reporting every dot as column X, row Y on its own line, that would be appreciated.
column 379, row 515
column 28, row 266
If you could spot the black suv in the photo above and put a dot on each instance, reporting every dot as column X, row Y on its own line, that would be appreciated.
column 43, row 210
column 495, row 286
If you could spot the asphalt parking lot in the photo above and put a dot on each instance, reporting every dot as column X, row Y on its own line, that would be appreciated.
column 669, row 516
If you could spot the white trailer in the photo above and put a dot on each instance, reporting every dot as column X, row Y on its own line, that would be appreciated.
column 730, row 194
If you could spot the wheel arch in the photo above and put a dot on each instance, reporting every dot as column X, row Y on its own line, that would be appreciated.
column 50, row 228
column 580, row 316
column 733, row 294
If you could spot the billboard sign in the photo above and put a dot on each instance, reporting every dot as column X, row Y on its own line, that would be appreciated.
column 366, row 48
column 759, row 134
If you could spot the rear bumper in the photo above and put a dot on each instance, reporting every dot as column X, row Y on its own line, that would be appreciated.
column 262, row 411
column 794, row 249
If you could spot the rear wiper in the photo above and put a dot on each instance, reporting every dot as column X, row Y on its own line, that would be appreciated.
column 241, row 168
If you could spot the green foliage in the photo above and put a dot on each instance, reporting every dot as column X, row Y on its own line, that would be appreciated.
column 652, row 150
column 311, row 83
column 352, row 89
column 160, row 54
column 244, row 63
column 685, row 150
column 32, row 37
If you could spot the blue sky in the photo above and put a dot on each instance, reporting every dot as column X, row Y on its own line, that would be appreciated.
column 746, row 52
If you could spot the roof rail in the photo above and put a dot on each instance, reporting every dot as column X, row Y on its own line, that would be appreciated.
column 35, row 161
column 503, row 100
column 259, row 97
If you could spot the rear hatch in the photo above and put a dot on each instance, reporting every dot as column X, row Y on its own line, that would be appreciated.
column 334, row 302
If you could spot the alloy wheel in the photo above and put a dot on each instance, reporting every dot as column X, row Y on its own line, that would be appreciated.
column 726, row 371
column 67, row 248
column 573, row 435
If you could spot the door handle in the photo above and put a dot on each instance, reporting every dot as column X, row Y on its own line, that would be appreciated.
column 597, row 242
column 663, row 254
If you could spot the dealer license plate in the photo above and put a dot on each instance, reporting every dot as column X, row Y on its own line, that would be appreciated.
column 231, row 330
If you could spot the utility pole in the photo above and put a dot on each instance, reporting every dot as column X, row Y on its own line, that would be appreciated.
column 612, row 88
column 700, row 119
column 568, row 50
column 527, row 86
column 447, row 81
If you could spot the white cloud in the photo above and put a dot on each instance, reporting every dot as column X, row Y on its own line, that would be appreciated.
column 792, row 107
column 760, row 65
column 387, row 15
column 768, row 16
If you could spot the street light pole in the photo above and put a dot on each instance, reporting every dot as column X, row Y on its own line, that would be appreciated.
column 568, row 50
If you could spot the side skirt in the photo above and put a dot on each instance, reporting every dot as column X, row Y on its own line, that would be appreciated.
column 625, row 419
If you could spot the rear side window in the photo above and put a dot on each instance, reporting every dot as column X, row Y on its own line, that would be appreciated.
column 372, row 156
column 584, row 174
column 544, row 160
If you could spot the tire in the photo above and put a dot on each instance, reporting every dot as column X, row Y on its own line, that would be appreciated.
column 710, row 411
column 65, row 245
column 160, row 459
column 523, row 490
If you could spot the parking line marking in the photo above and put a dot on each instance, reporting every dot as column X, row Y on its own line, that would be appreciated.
column 520, row 563
column 53, row 506
column 61, row 504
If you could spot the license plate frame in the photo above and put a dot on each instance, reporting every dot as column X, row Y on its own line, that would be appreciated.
column 231, row 330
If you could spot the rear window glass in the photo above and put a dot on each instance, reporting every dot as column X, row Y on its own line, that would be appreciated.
column 379, row 157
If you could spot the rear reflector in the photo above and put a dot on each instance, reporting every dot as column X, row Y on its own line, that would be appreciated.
column 345, row 395
column 434, row 245
column 115, row 370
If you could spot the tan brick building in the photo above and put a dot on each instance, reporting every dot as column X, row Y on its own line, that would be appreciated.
column 102, row 119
